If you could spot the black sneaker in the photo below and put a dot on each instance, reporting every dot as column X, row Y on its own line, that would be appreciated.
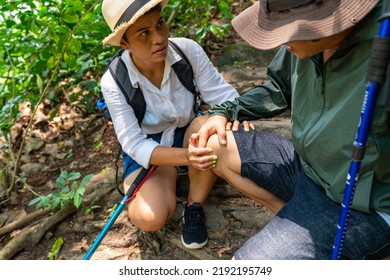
column 194, row 234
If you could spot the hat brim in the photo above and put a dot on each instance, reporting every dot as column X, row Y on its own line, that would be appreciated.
column 268, row 31
column 117, row 34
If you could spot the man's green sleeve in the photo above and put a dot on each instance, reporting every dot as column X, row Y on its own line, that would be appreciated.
column 264, row 101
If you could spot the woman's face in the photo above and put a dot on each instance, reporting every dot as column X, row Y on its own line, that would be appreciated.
column 147, row 39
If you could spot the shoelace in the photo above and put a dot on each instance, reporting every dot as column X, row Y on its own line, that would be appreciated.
column 194, row 217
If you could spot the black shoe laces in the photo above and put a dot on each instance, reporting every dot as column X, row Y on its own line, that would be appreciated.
column 194, row 217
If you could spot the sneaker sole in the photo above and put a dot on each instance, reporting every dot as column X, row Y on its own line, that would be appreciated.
column 194, row 245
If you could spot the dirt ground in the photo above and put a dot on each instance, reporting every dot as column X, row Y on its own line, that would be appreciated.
column 89, row 146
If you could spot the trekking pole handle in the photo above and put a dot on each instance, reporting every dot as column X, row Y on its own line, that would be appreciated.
column 380, row 53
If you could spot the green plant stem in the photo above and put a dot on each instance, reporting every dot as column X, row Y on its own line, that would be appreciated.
column 29, row 187
column 171, row 17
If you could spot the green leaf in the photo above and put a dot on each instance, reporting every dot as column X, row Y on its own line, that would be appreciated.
column 85, row 180
column 44, row 202
column 90, row 17
column 42, row 11
column 73, row 176
column 56, row 201
column 213, row 29
column 80, row 190
column 98, row 144
column 54, row 36
column 51, row 63
column 74, row 186
column 75, row 46
column 39, row 83
column 62, row 179
column 74, row 5
column 70, row 16
column 70, row 60
column 55, row 249
column 77, row 200
column 35, row 200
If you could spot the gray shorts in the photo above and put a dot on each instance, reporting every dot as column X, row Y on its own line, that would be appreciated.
column 305, row 228
column 269, row 160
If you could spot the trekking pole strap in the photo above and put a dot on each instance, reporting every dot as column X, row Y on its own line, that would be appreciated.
column 144, row 174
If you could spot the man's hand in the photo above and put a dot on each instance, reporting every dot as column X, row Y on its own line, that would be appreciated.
column 219, row 125
column 213, row 125
column 234, row 126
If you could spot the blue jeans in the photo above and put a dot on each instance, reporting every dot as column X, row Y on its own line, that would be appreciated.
column 130, row 165
column 305, row 227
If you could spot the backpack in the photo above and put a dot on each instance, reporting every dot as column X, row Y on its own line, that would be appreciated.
column 134, row 96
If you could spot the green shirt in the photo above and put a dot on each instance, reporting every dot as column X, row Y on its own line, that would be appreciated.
column 325, row 102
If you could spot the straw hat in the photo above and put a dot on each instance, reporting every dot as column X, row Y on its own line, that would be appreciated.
column 120, row 14
column 270, row 23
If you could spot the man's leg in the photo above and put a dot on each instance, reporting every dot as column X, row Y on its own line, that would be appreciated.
column 258, row 172
column 305, row 229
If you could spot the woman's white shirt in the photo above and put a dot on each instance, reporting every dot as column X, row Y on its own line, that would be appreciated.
column 167, row 108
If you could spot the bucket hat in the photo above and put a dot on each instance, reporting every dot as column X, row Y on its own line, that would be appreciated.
column 268, row 24
column 120, row 14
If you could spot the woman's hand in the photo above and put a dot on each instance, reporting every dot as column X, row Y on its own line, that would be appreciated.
column 200, row 158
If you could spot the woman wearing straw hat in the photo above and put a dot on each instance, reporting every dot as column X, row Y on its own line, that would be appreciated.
column 138, row 27
column 319, row 73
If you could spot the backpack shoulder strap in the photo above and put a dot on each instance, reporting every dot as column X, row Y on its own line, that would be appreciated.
column 184, row 72
column 183, row 69
column 134, row 96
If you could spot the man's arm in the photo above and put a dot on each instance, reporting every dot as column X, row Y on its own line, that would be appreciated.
column 264, row 101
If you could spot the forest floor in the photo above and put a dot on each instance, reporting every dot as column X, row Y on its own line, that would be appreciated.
column 88, row 145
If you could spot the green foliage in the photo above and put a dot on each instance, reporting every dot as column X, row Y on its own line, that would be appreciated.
column 69, row 190
column 55, row 249
column 193, row 19
column 90, row 210
column 111, row 210
column 36, row 35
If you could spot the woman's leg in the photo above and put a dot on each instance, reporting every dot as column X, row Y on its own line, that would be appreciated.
column 201, row 182
column 155, row 202
column 194, row 235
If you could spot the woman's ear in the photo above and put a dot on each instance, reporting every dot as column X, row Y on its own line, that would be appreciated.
column 124, row 44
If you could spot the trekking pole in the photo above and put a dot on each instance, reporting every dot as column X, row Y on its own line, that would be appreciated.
column 380, row 58
column 130, row 194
